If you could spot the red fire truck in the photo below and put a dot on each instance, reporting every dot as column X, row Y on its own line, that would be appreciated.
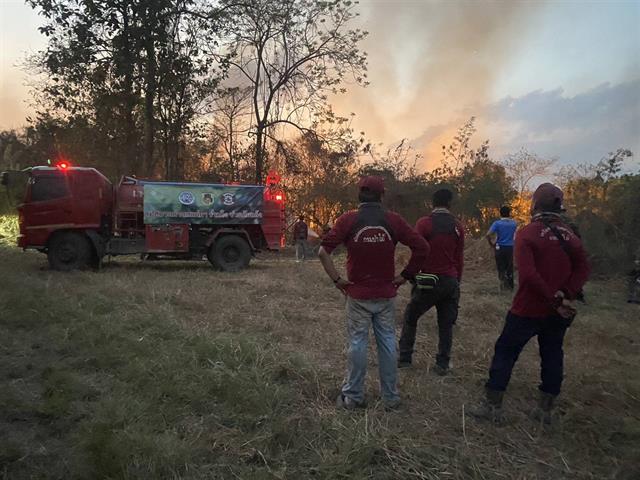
column 77, row 217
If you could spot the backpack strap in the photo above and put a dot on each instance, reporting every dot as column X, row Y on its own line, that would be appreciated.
column 442, row 224
column 371, row 215
column 563, row 243
column 567, row 250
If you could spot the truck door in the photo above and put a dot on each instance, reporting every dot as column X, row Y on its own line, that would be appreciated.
column 48, row 206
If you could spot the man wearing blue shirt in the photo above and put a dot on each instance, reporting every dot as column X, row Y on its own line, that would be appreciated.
column 504, row 231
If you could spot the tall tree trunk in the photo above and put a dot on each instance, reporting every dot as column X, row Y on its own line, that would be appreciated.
column 259, row 152
column 234, row 173
column 149, row 98
column 167, row 157
column 174, row 153
column 128, row 163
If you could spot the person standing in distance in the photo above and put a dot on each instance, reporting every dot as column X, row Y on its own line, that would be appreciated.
column 300, row 234
column 370, row 235
column 438, row 284
column 504, row 231
column 552, row 269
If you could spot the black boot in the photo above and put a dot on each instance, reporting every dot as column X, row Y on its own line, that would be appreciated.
column 490, row 407
column 404, row 361
column 544, row 411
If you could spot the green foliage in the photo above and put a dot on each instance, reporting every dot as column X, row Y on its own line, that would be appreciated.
column 120, row 83
column 604, row 205
column 8, row 229
column 480, row 185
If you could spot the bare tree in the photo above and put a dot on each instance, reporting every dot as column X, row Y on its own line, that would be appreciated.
column 292, row 54
column 232, row 109
column 523, row 166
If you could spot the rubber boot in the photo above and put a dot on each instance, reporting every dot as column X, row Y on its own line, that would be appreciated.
column 544, row 411
column 490, row 407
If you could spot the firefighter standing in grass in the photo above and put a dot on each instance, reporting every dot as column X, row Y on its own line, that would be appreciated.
column 504, row 231
column 370, row 235
column 300, row 234
column 552, row 269
column 438, row 283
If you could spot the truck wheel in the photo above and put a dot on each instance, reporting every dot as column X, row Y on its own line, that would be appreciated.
column 69, row 251
column 230, row 253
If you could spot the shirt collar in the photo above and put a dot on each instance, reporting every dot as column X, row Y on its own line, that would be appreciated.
column 546, row 216
column 440, row 210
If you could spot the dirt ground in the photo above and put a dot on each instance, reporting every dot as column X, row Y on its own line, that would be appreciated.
column 174, row 370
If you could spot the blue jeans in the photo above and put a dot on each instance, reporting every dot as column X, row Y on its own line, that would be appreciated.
column 360, row 315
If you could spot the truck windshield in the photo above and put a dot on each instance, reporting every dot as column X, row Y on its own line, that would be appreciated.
column 48, row 187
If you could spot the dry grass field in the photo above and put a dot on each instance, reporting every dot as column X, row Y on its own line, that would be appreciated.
column 173, row 370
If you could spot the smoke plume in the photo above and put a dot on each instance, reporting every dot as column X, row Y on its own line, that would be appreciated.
column 430, row 63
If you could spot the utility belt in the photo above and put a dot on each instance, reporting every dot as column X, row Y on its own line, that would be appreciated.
column 426, row 281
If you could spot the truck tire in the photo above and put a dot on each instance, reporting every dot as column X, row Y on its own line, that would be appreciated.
column 69, row 251
column 230, row 253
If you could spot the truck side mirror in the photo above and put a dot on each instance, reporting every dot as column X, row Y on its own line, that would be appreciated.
column 4, row 178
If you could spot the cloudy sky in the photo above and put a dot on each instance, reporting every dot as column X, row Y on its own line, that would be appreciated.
column 560, row 78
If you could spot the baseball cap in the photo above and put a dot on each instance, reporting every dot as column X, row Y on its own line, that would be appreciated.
column 372, row 183
column 547, row 197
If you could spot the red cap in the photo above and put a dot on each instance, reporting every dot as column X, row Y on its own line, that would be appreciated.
column 547, row 197
column 372, row 183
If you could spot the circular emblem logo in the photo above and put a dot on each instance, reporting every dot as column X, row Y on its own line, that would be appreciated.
column 186, row 198
column 228, row 198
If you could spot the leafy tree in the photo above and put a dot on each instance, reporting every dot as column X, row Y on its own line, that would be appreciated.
column 319, row 178
column 459, row 153
column 611, row 165
column 125, row 68
column 603, row 203
column 407, row 191
column 482, row 185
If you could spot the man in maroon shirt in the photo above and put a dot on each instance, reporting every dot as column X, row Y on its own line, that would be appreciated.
column 439, row 282
column 552, row 268
column 370, row 235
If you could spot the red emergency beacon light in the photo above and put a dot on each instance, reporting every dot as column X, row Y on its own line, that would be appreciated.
column 63, row 165
column 275, row 195
column 273, row 178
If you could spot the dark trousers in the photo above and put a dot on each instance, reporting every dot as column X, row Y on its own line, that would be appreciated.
column 634, row 287
column 504, row 262
column 516, row 333
column 444, row 297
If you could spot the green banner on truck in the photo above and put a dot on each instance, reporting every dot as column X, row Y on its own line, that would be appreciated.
column 202, row 203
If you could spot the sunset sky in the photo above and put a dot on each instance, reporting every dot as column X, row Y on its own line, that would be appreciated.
column 560, row 78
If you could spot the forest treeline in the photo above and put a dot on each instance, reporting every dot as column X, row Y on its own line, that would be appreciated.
column 225, row 91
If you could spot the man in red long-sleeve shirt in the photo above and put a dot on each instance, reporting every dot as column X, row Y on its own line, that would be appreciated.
column 439, row 282
column 370, row 235
column 552, row 269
